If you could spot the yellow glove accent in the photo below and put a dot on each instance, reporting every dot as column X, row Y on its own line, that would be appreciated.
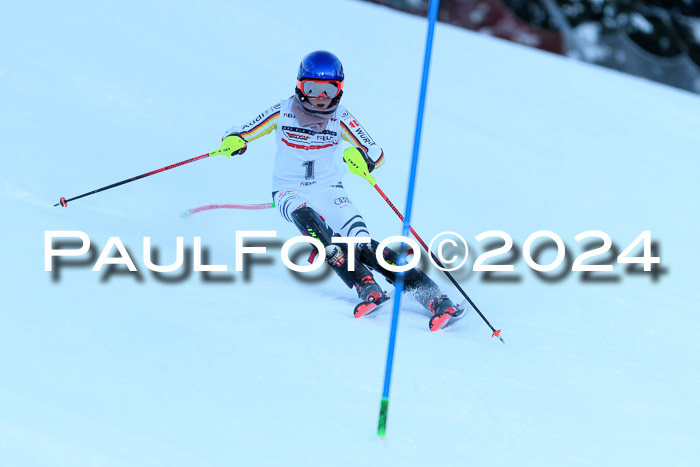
column 357, row 165
column 231, row 146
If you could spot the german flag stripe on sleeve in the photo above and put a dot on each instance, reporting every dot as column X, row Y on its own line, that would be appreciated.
column 351, row 135
column 262, row 124
column 379, row 161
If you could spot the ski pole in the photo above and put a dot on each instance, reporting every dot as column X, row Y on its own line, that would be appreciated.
column 496, row 333
column 359, row 167
column 227, row 206
column 64, row 202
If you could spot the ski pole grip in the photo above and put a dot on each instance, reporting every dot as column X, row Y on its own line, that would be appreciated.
column 357, row 165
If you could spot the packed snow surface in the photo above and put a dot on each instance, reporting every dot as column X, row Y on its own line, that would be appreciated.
column 115, row 368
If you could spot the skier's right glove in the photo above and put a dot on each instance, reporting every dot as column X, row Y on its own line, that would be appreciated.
column 232, row 145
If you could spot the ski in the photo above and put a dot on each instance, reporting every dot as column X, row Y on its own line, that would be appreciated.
column 365, row 308
column 191, row 211
column 443, row 320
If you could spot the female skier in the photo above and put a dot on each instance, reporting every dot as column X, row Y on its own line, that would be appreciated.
column 307, row 188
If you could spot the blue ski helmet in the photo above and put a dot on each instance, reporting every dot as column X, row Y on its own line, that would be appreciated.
column 320, row 65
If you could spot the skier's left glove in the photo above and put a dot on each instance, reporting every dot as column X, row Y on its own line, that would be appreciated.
column 232, row 145
column 357, row 164
column 351, row 153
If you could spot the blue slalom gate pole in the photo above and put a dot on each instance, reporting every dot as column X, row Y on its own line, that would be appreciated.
column 399, row 285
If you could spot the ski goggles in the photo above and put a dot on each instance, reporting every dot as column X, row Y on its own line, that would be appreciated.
column 324, row 89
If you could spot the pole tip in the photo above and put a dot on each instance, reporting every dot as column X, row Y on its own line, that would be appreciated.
column 498, row 334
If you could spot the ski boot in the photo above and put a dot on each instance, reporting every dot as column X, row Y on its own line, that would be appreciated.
column 417, row 284
column 443, row 310
column 371, row 295
column 310, row 223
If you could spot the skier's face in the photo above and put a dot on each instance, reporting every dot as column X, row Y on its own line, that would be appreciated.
column 320, row 103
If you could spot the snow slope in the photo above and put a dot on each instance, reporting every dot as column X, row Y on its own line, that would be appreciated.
column 100, row 368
